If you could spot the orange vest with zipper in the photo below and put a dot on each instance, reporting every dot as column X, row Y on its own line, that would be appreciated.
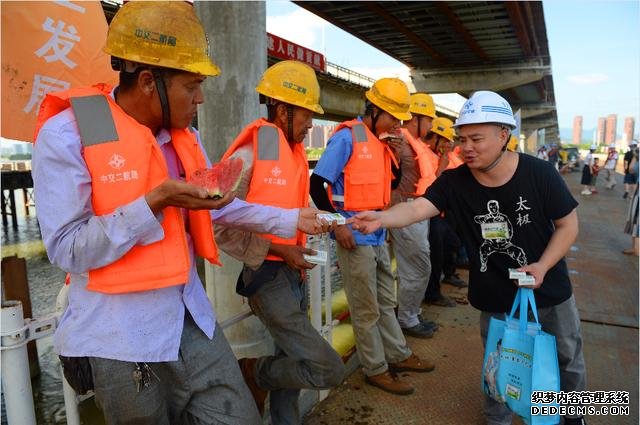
column 367, row 175
column 280, row 176
column 425, row 164
column 125, row 163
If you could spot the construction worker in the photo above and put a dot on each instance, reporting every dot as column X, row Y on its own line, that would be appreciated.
column 444, row 241
column 537, row 214
column 357, row 167
column 109, row 171
column 512, row 146
column 276, row 173
column 411, row 244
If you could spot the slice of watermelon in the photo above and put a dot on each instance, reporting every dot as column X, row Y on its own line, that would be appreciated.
column 220, row 179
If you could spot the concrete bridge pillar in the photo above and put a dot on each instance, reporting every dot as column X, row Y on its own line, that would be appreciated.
column 237, row 40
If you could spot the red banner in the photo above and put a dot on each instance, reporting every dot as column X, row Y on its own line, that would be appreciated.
column 48, row 46
column 285, row 49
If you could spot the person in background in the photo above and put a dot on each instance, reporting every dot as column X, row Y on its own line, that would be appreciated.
column 585, row 180
column 631, row 227
column 610, row 167
column 630, row 179
column 357, row 169
column 554, row 155
column 110, row 168
column 274, row 267
column 512, row 201
column 442, row 238
column 595, row 170
column 542, row 153
column 411, row 244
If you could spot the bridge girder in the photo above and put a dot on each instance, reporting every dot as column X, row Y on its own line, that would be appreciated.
column 495, row 78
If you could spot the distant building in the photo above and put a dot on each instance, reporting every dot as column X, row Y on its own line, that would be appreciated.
column 627, row 134
column 600, row 131
column 318, row 136
column 577, row 129
column 611, row 129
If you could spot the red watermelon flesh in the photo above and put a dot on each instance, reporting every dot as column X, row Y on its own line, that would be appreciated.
column 223, row 177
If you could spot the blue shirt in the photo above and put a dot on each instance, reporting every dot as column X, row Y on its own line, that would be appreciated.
column 140, row 326
column 330, row 166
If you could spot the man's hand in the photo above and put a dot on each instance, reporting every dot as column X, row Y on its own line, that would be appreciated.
column 292, row 255
column 309, row 223
column 443, row 163
column 365, row 222
column 344, row 237
column 537, row 270
column 176, row 193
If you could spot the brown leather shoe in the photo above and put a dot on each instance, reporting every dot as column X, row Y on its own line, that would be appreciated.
column 412, row 364
column 389, row 383
column 248, row 369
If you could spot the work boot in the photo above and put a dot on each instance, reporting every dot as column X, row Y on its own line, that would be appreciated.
column 248, row 369
column 421, row 330
column 454, row 279
column 442, row 301
column 429, row 323
column 389, row 383
column 412, row 363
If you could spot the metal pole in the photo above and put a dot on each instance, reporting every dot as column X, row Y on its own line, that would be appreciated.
column 315, row 291
column 16, row 382
column 70, row 401
column 328, row 320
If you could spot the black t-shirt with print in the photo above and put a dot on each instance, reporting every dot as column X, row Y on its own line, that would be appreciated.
column 516, row 220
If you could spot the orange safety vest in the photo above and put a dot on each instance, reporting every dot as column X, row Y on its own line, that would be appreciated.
column 125, row 162
column 454, row 160
column 367, row 175
column 425, row 163
column 280, row 176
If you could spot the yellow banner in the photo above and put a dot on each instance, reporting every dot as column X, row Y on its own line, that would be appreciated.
column 48, row 46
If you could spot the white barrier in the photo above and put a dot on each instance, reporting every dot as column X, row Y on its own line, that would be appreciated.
column 16, row 331
column 16, row 380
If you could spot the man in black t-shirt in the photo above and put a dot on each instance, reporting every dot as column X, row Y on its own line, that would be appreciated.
column 512, row 211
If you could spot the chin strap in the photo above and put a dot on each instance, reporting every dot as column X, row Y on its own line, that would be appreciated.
column 290, row 123
column 164, row 102
column 497, row 160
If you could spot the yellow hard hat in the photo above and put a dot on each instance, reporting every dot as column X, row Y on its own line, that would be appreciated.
column 165, row 34
column 443, row 127
column 391, row 95
column 513, row 143
column 422, row 104
column 292, row 82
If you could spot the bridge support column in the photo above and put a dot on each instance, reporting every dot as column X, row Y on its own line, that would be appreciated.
column 237, row 37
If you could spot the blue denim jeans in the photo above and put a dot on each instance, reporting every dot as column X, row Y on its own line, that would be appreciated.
column 563, row 322
column 303, row 359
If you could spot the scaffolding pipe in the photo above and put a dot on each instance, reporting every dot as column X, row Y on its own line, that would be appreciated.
column 315, row 291
column 16, row 379
column 70, row 402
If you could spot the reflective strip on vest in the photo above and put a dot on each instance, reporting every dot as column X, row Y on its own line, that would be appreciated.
column 94, row 119
column 268, row 144
column 339, row 198
column 359, row 134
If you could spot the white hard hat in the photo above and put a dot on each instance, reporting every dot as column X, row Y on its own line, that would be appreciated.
column 486, row 107
column 633, row 143
column 612, row 146
column 593, row 147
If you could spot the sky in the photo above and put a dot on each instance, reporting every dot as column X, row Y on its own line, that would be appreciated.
column 594, row 47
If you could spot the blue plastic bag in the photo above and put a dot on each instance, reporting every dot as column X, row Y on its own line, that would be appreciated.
column 520, row 358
